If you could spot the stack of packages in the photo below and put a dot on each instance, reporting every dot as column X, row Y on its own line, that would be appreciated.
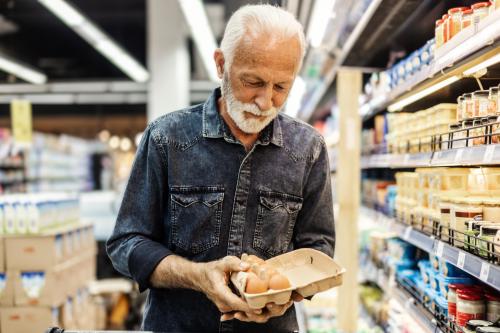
column 44, row 276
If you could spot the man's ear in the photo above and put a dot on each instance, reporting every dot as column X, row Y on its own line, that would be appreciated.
column 219, row 62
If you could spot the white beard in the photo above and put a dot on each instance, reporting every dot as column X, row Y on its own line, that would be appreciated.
column 237, row 109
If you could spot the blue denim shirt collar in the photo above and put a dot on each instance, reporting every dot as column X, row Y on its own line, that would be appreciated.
column 214, row 126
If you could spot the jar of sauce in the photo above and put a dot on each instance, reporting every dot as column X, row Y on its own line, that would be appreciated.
column 481, row 11
column 470, row 305
column 454, row 21
column 466, row 19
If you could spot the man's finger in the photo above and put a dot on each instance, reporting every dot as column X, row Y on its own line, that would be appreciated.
column 234, row 264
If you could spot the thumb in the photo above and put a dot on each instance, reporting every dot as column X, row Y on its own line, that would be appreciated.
column 234, row 264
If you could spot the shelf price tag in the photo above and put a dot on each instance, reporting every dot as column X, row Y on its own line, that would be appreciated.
column 407, row 233
column 439, row 249
column 406, row 159
column 485, row 271
column 489, row 153
column 461, row 260
column 458, row 155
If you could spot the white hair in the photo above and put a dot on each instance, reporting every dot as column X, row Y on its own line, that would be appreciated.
column 256, row 20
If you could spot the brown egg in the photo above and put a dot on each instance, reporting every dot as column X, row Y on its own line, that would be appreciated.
column 255, row 285
column 265, row 272
column 278, row 282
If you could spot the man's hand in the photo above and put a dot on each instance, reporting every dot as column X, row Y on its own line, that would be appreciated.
column 271, row 310
column 213, row 281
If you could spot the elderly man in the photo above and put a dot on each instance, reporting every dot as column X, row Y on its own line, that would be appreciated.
column 227, row 177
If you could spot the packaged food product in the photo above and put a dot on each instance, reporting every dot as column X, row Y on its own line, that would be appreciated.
column 468, row 111
column 495, row 130
column 491, row 209
column 460, row 107
column 439, row 33
column 464, row 209
column 472, row 325
column 451, row 179
column 492, row 180
column 445, row 18
column 459, row 136
column 445, row 281
column 477, row 133
column 454, row 21
column 492, row 306
column 470, row 305
column 466, row 19
column 481, row 11
column 480, row 99
column 308, row 271
column 493, row 100
column 486, row 240
column 452, row 300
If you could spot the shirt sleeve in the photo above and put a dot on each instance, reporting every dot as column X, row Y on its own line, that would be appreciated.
column 135, row 246
column 315, row 227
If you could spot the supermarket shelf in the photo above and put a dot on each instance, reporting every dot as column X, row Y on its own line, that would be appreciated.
column 475, row 266
column 463, row 52
column 416, row 311
column 470, row 156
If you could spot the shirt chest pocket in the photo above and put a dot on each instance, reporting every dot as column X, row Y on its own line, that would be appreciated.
column 276, row 218
column 196, row 216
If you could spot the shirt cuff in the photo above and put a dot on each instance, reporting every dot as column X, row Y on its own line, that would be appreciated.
column 143, row 261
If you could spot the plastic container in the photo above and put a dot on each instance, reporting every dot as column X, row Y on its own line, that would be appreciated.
column 493, row 100
column 480, row 99
column 491, row 209
column 452, row 300
column 309, row 272
column 445, row 18
column 448, row 270
column 464, row 210
column 492, row 180
column 424, row 266
column 466, row 19
column 468, row 111
column 470, row 305
column 488, row 329
column 474, row 324
column 444, row 283
column 481, row 11
column 485, row 241
column 492, row 306
column 454, row 21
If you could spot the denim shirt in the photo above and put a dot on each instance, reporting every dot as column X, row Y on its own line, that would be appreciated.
column 195, row 192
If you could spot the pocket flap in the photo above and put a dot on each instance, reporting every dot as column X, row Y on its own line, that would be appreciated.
column 187, row 199
column 291, row 204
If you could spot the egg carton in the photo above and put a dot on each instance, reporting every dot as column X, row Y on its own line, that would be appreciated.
column 309, row 272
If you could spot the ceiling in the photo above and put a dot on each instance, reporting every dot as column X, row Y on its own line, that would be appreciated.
column 31, row 34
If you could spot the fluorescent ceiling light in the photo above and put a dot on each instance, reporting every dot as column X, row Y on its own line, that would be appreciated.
column 22, row 71
column 97, row 38
column 421, row 94
column 485, row 64
column 321, row 14
column 201, row 32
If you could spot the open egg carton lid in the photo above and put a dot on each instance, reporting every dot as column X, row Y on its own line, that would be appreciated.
column 309, row 272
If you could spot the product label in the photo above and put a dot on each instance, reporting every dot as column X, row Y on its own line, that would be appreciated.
column 3, row 281
column 33, row 283
column 463, row 318
column 452, row 310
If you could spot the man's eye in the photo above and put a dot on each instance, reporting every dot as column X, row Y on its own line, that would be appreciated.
column 254, row 84
column 279, row 88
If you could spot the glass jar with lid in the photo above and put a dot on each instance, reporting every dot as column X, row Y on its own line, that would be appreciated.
column 445, row 18
column 493, row 100
column 454, row 21
column 480, row 100
column 481, row 11
column 466, row 19
column 439, row 33
column 492, row 306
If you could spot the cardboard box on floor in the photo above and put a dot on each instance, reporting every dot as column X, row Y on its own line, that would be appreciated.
column 2, row 254
column 7, row 288
column 29, row 319
column 44, row 251
column 52, row 287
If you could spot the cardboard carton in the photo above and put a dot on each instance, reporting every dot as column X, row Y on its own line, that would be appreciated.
column 41, row 288
column 29, row 319
column 2, row 254
column 309, row 272
column 7, row 288
column 34, row 252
